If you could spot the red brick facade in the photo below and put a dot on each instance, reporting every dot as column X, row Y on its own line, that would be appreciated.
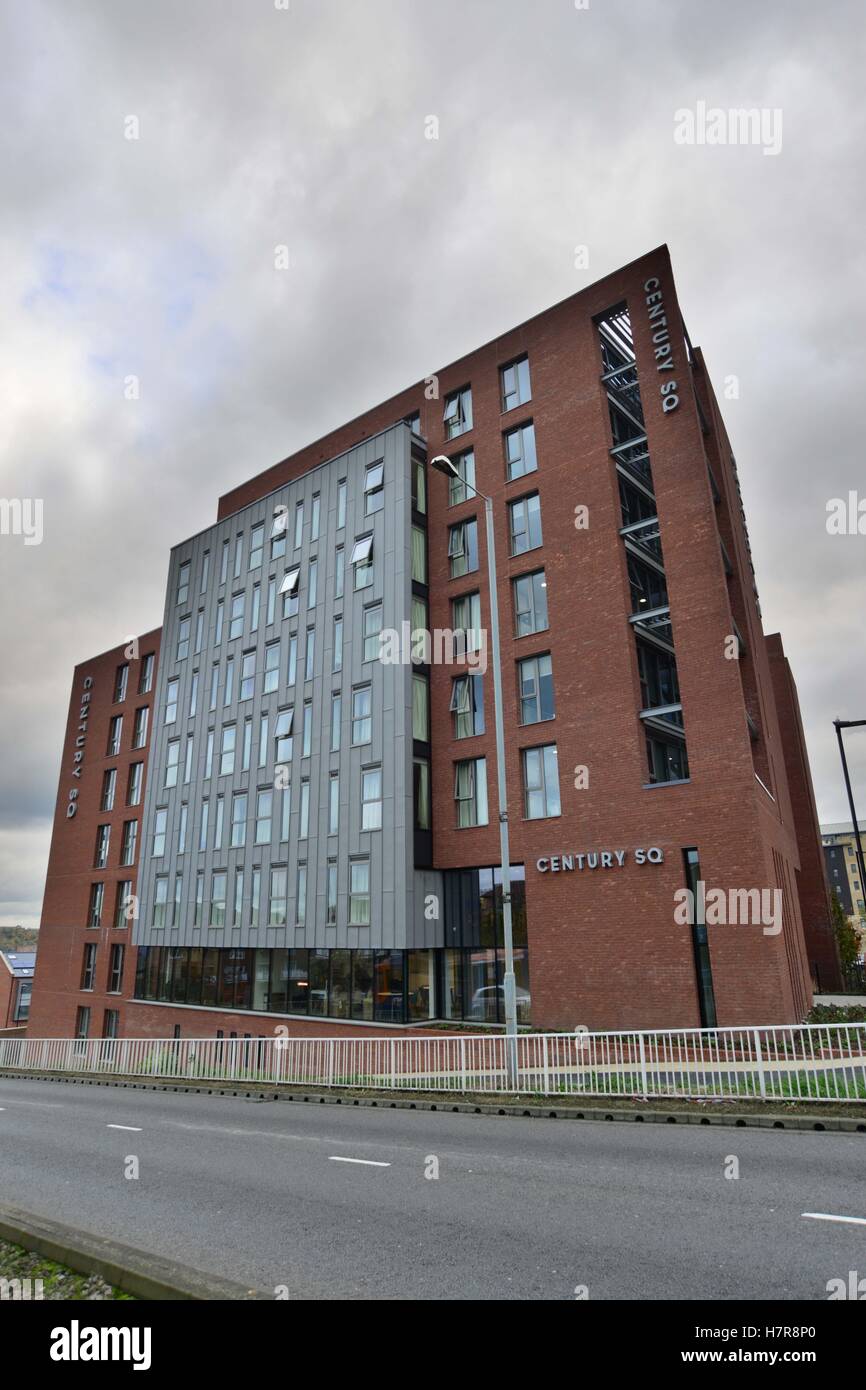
column 605, row 949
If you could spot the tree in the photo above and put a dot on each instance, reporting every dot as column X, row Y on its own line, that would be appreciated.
column 846, row 936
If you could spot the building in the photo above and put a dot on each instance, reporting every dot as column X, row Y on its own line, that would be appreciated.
column 16, row 986
column 843, row 871
column 313, row 839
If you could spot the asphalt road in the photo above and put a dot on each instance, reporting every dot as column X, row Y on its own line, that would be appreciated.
column 260, row 1192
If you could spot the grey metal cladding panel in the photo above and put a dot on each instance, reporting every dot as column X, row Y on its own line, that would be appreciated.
column 390, row 745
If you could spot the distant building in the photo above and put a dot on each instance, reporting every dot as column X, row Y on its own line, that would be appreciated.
column 843, row 871
column 16, row 986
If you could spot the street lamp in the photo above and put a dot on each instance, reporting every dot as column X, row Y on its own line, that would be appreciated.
column 443, row 464
column 839, row 725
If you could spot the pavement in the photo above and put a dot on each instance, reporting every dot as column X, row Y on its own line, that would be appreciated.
column 321, row 1201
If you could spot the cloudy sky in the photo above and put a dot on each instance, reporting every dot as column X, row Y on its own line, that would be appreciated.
column 303, row 124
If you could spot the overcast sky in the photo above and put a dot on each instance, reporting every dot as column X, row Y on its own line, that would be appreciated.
column 304, row 126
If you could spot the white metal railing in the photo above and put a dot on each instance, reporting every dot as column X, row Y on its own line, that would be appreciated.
column 809, row 1062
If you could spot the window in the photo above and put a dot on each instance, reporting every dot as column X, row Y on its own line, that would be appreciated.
column 263, row 741
column 177, row 904
column 285, row 812
column 667, row 758
column 121, row 681
column 172, row 758
column 463, row 547
column 218, row 898
column 337, row 646
column 359, row 893
column 540, row 782
column 463, row 486
column 238, row 834
column 202, row 831
column 236, row 620
column 208, row 757
column 182, row 583
column 419, row 486
column 124, row 904
column 514, row 380
column 238, row 911
column 312, row 583
column 145, row 679
column 658, row 679
column 299, row 524
column 304, row 812
column 214, row 685
column 419, row 634
column 257, row 545
column 272, row 668
column 374, row 488
column 198, row 910
column 283, row 736
column 647, row 585
column 307, row 733
column 248, row 676
column 457, row 415
column 134, row 784
column 524, row 524
column 310, row 654
column 100, row 856
column 160, row 821
column 115, row 729
column 278, row 532
column 82, row 1022
column 94, row 912
column 278, row 897
column 227, row 752
column 228, row 693
column 199, row 630
column 520, row 456
column 419, row 555
column 700, row 944
column 315, row 516
column 466, row 619
column 187, row 761
column 301, row 896
column 421, row 792
column 535, row 689
column 372, row 629
column 467, row 705
column 224, row 562
column 530, row 603
column 420, row 708
column 334, row 803
column 128, row 842
column 88, row 967
column 181, row 828
column 336, row 718
column 183, row 630
column 218, row 630
column 362, row 562
column 371, row 798
column 115, row 969
column 470, row 792
column 256, row 608
column 239, row 557
column 362, row 707
column 193, row 694
column 341, row 504
column 205, row 572
column 331, row 911
column 139, row 731
column 264, row 809
column 339, row 568
column 109, row 784
column 218, row 828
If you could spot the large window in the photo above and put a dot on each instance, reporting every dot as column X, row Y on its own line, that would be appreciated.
column 524, row 524
column 514, row 382
column 97, row 896
column 264, row 811
column 236, row 617
column 371, row 798
column 145, row 679
column 467, row 705
column 421, row 708
column 362, row 722
column 658, row 677
column 109, row 784
column 462, row 486
column 535, row 688
column 520, row 456
column 667, row 758
column 466, row 619
column 530, row 603
column 648, row 587
column 172, row 758
column 421, row 775
column 419, row 555
column 457, row 415
column 540, row 782
column 257, row 545
column 227, row 751
column 283, row 736
column 115, row 969
column 470, row 792
column 362, row 562
column 88, row 967
column 139, row 733
column 183, row 583
column 372, row 629
column 463, row 547
column 115, row 729
column 374, row 488
column 359, row 893
column 100, row 854
column 127, row 846
column 121, row 680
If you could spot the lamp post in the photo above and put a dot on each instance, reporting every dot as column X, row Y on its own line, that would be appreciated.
column 443, row 464
column 839, row 725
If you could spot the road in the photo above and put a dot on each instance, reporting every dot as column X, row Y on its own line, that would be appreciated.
column 261, row 1192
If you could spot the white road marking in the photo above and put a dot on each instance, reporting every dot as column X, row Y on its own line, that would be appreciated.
column 368, row 1162
column 135, row 1129
column 824, row 1216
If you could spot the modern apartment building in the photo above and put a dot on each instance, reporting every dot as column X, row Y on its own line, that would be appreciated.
column 843, row 871
column 318, row 837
